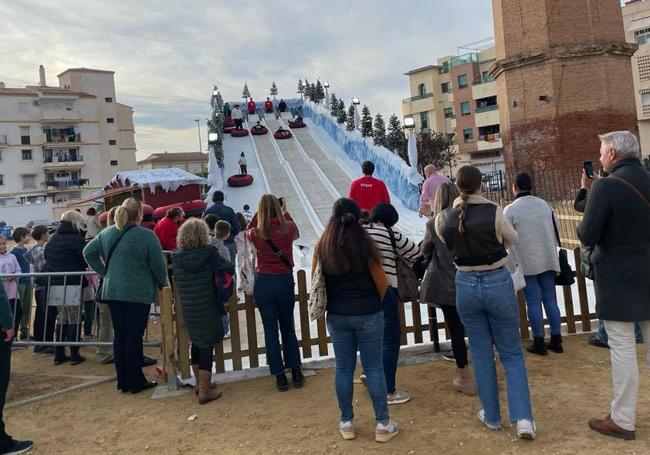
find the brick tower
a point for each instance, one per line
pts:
(563, 76)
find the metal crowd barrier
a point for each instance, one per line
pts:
(57, 300)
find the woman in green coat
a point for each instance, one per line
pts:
(197, 266)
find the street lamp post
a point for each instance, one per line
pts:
(357, 119)
(327, 97)
(198, 128)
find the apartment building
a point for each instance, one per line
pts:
(457, 95)
(194, 162)
(636, 20)
(59, 143)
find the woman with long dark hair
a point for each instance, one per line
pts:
(355, 284)
(477, 234)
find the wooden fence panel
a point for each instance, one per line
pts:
(523, 316)
(251, 331)
(582, 293)
(235, 336)
(303, 308)
(417, 321)
(568, 308)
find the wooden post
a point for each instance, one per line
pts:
(568, 307)
(235, 340)
(433, 328)
(219, 361)
(251, 329)
(582, 293)
(523, 316)
(417, 321)
(167, 328)
(402, 322)
(183, 339)
(322, 336)
(303, 308)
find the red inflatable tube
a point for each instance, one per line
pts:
(285, 134)
(190, 208)
(228, 130)
(228, 123)
(259, 131)
(297, 124)
(240, 180)
(239, 133)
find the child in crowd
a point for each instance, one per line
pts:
(248, 215)
(240, 244)
(211, 220)
(43, 330)
(221, 233)
(9, 265)
(25, 289)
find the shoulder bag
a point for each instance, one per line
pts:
(98, 292)
(317, 294)
(279, 254)
(566, 277)
(407, 281)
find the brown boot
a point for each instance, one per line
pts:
(207, 392)
(195, 370)
(608, 427)
(463, 382)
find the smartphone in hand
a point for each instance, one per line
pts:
(589, 169)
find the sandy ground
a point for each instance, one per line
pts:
(253, 418)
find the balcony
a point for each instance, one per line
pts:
(63, 161)
(489, 142)
(62, 140)
(418, 97)
(487, 118)
(417, 104)
(485, 89)
(65, 185)
(494, 107)
(60, 115)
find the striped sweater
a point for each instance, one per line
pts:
(406, 248)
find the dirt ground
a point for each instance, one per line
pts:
(253, 418)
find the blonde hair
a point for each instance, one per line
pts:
(110, 218)
(75, 218)
(129, 212)
(192, 234)
(445, 196)
(268, 208)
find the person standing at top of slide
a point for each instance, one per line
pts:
(237, 116)
(368, 191)
(252, 107)
(268, 106)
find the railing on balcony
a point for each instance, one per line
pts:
(483, 80)
(66, 184)
(418, 97)
(493, 107)
(62, 138)
(63, 159)
(496, 137)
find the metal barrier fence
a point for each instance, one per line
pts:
(243, 350)
(58, 309)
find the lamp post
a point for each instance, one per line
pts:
(198, 128)
(327, 97)
(357, 118)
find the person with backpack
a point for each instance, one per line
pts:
(197, 267)
(272, 232)
(392, 245)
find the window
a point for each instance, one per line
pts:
(113, 162)
(462, 81)
(645, 99)
(27, 154)
(424, 120)
(468, 134)
(422, 90)
(0, 155)
(485, 76)
(642, 36)
(24, 135)
(112, 142)
(449, 112)
(108, 99)
(29, 181)
(2, 179)
(110, 120)
(465, 108)
(445, 87)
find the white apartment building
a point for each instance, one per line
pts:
(61, 143)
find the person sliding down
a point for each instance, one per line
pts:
(258, 126)
(242, 164)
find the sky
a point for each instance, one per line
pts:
(167, 54)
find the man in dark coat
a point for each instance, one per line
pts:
(227, 214)
(617, 224)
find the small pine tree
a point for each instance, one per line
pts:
(319, 91)
(245, 93)
(307, 90)
(395, 137)
(341, 115)
(334, 106)
(301, 87)
(350, 120)
(366, 122)
(379, 131)
(274, 89)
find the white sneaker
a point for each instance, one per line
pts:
(488, 425)
(347, 430)
(384, 433)
(399, 397)
(526, 429)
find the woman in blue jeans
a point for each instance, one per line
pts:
(535, 223)
(477, 234)
(272, 232)
(355, 284)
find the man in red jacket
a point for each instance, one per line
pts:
(368, 191)
(268, 106)
(167, 228)
(251, 106)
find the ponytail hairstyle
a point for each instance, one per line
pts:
(75, 218)
(130, 212)
(345, 246)
(468, 181)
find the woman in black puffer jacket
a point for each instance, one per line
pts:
(64, 253)
(196, 265)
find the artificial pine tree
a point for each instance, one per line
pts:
(350, 120)
(366, 122)
(274, 90)
(379, 131)
(245, 93)
(215, 125)
(341, 115)
(395, 136)
(334, 105)
(307, 89)
(301, 88)
(319, 91)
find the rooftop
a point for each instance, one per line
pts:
(85, 70)
(167, 157)
(424, 68)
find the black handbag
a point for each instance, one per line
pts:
(407, 282)
(98, 291)
(566, 276)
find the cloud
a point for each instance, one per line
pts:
(167, 54)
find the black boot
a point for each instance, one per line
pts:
(74, 332)
(281, 382)
(59, 351)
(537, 346)
(297, 377)
(555, 344)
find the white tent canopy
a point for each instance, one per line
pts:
(169, 179)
